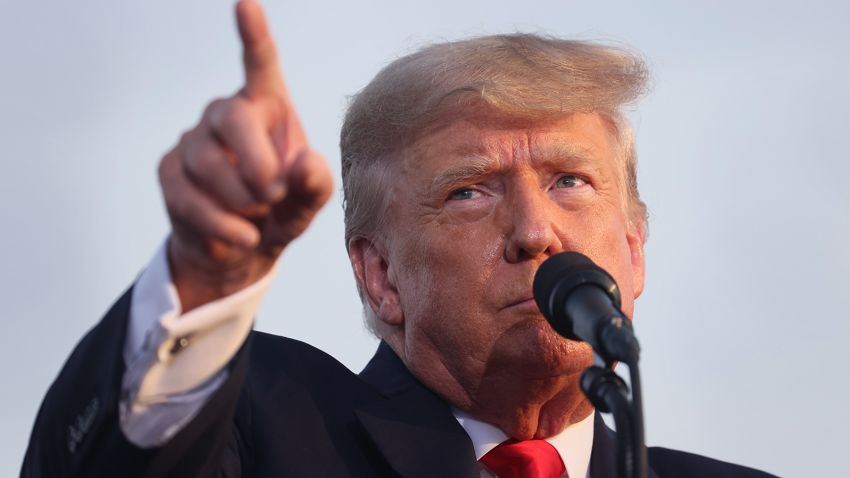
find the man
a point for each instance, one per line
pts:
(465, 166)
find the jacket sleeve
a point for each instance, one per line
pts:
(77, 433)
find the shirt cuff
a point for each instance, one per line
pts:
(188, 348)
(176, 362)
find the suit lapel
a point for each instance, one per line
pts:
(603, 458)
(413, 429)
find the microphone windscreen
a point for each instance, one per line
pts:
(563, 272)
(554, 270)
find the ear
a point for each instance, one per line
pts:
(375, 281)
(636, 237)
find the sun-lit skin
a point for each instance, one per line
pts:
(476, 207)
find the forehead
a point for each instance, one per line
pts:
(498, 143)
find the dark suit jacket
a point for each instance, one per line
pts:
(287, 409)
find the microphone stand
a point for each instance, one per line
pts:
(582, 302)
(609, 393)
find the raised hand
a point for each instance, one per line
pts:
(243, 183)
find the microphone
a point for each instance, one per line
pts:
(582, 302)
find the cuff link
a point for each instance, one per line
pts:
(172, 347)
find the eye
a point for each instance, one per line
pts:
(569, 182)
(463, 194)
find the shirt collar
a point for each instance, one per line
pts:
(573, 444)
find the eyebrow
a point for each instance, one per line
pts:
(476, 166)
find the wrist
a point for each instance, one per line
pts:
(202, 278)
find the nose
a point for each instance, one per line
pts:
(532, 227)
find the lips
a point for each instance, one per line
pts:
(526, 301)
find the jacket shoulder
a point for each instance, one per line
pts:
(674, 463)
(300, 399)
(274, 356)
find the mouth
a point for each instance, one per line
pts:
(525, 303)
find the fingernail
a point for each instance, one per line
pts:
(276, 192)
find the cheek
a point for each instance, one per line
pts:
(448, 254)
(605, 242)
(443, 283)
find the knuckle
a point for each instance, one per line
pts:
(165, 167)
(265, 54)
(233, 113)
(319, 180)
(206, 166)
(212, 107)
(257, 171)
(174, 192)
(181, 208)
(185, 138)
(161, 170)
(204, 158)
(172, 204)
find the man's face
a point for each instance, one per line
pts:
(476, 208)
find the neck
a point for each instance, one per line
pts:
(522, 406)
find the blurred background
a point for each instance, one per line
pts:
(743, 150)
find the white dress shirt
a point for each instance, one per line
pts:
(573, 444)
(175, 362)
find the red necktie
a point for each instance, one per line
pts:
(524, 459)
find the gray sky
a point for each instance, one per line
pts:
(743, 163)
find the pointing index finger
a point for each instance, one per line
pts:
(259, 54)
